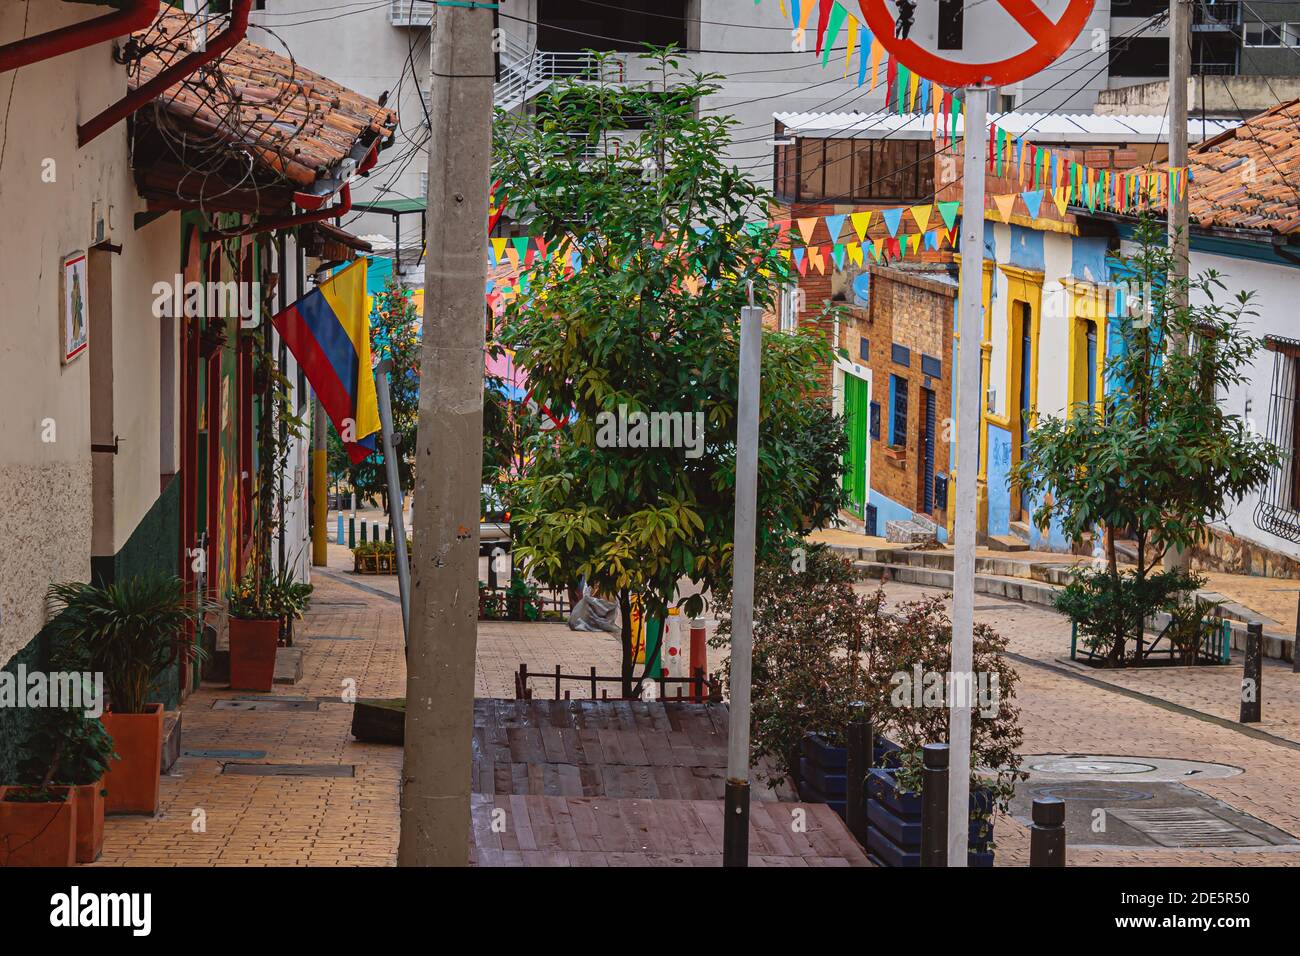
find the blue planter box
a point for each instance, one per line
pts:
(894, 823)
(810, 794)
(905, 832)
(819, 752)
(824, 781)
(888, 853)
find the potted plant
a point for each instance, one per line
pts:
(254, 633)
(907, 664)
(69, 749)
(132, 632)
(38, 826)
(289, 598)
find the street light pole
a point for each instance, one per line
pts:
(395, 520)
(969, 402)
(735, 830)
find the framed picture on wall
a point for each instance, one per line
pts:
(75, 319)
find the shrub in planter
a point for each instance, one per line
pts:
(38, 827)
(70, 749)
(289, 599)
(254, 633)
(908, 660)
(809, 629)
(132, 632)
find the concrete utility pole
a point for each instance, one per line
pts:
(449, 447)
(735, 826)
(969, 403)
(1180, 55)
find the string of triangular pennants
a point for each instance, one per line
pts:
(906, 91)
(1063, 182)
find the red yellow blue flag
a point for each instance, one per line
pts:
(328, 332)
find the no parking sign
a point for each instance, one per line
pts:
(976, 42)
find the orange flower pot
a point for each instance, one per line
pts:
(252, 653)
(38, 834)
(90, 821)
(134, 779)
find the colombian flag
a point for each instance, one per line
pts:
(328, 332)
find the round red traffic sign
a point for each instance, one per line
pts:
(964, 42)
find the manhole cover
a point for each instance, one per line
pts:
(1090, 766)
(1133, 769)
(1186, 827)
(1066, 791)
(289, 769)
(251, 705)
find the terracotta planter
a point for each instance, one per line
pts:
(133, 780)
(252, 653)
(38, 834)
(90, 821)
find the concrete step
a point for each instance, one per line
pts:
(1007, 542)
(171, 743)
(1020, 529)
(909, 532)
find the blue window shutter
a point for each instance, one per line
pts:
(931, 366)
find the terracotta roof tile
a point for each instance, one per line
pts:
(1249, 177)
(297, 123)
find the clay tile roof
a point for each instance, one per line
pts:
(1249, 177)
(299, 125)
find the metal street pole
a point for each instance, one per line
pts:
(735, 830)
(969, 402)
(435, 795)
(319, 489)
(395, 520)
(1180, 42)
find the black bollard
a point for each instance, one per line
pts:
(352, 532)
(363, 532)
(1295, 658)
(934, 805)
(388, 534)
(860, 747)
(1047, 834)
(1252, 693)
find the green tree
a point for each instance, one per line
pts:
(394, 334)
(672, 240)
(1159, 458)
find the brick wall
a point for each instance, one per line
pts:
(912, 308)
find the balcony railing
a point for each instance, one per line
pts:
(1217, 15)
(410, 13)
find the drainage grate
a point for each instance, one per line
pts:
(290, 769)
(1186, 827)
(225, 754)
(269, 704)
(333, 637)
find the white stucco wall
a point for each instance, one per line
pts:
(1275, 301)
(51, 194)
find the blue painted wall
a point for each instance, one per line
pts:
(889, 510)
(999, 469)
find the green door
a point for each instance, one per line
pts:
(857, 402)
